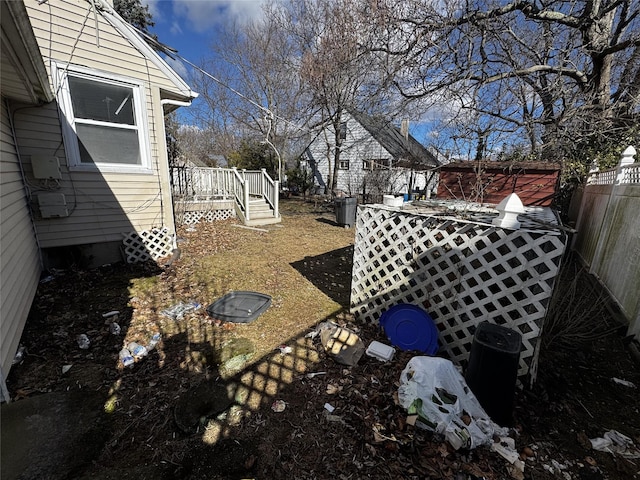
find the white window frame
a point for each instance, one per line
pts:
(60, 75)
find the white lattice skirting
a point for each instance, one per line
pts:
(460, 271)
(192, 218)
(148, 244)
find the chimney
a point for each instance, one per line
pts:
(404, 129)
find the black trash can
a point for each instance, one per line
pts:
(493, 370)
(346, 211)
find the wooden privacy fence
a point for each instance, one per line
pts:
(608, 237)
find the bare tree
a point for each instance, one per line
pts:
(336, 72)
(255, 93)
(560, 74)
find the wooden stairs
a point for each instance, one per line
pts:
(260, 213)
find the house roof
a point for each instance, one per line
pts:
(184, 92)
(407, 151)
(24, 76)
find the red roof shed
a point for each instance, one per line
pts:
(536, 183)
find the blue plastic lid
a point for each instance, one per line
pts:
(410, 328)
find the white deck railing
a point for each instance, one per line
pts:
(199, 184)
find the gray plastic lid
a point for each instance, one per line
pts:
(239, 306)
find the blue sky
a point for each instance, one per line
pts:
(190, 26)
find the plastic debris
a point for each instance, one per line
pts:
(278, 406)
(506, 448)
(126, 358)
(83, 341)
(329, 408)
(115, 329)
(344, 345)
(285, 349)
(315, 374)
(615, 442)
(178, 311)
(66, 368)
(111, 316)
(625, 383)
(137, 350)
(380, 351)
(333, 418)
(155, 339)
(19, 356)
(434, 390)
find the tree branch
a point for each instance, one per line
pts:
(577, 75)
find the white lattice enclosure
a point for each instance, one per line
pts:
(148, 244)
(460, 268)
(190, 212)
(192, 218)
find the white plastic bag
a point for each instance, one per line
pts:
(432, 388)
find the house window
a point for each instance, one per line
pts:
(343, 131)
(377, 164)
(105, 122)
(343, 165)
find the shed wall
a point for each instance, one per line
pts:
(535, 188)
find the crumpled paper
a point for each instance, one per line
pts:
(615, 442)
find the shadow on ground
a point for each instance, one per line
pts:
(330, 273)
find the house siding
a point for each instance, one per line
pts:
(358, 146)
(102, 205)
(19, 258)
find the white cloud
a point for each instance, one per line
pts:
(203, 15)
(175, 28)
(178, 66)
(153, 8)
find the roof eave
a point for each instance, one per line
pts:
(143, 47)
(30, 61)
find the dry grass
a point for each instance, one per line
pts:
(578, 310)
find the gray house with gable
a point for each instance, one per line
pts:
(376, 158)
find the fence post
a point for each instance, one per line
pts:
(610, 211)
(245, 193)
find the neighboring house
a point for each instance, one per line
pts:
(536, 183)
(376, 157)
(84, 162)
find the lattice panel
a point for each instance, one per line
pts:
(192, 218)
(461, 272)
(148, 244)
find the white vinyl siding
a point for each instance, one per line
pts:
(66, 32)
(19, 258)
(358, 146)
(105, 202)
(364, 156)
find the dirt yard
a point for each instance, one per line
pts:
(226, 400)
